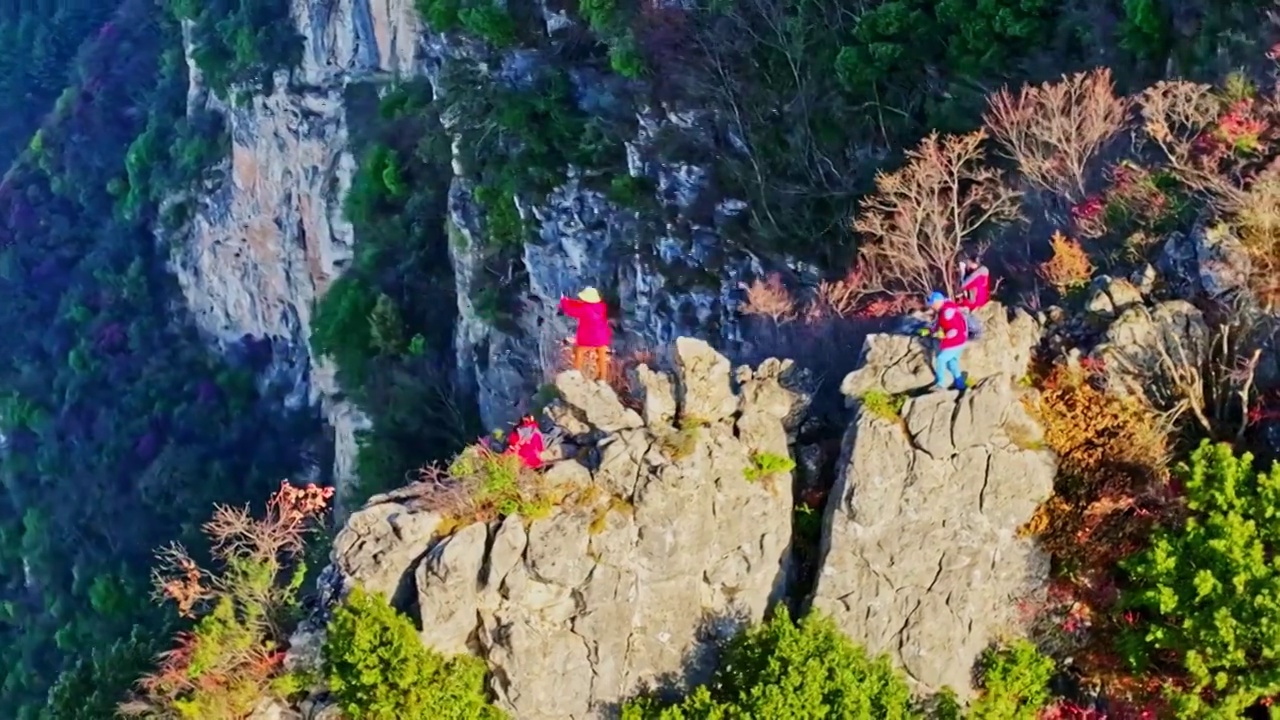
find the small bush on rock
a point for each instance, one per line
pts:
(233, 657)
(784, 670)
(1070, 268)
(1015, 683)
(766, 465)
(378, 669)
(481, 484)
(1208, 591)
(883, 405)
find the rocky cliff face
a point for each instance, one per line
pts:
(921, 557)
(675, 279)
(266, 243)
(666, 542)
(668, 537)
(271, 239)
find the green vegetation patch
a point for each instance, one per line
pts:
(240, 42)
(378, 669)
(122, 427)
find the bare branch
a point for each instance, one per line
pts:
(1053, 130)
(920, 217)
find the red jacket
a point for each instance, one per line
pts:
(593, 323)
(526, 442)
(975, 290)
(950, 327)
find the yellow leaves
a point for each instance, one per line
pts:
(1070, 267)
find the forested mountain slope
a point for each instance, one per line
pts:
(38, 40)
(120, 428)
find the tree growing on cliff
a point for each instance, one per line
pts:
(921, 216)
(233, 657)
(803, 671)
(378, 669)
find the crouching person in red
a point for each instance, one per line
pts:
(975, 284)
(527, 443)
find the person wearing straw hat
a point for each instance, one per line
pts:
(593, 332)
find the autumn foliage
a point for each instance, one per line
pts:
(853, 296)
(1112, 489)
(1069, 268)
(232, 658)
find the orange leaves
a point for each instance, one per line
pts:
(769, 298)
(1091, 430)
(1112, 488)
(1070, 267)
(185, 586)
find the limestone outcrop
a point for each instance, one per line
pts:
(920, 553)
(895, 363)
(667, 541)
(1147, 347)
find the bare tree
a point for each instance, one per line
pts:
(1176, 117)
(1053, 130)
(920, 217)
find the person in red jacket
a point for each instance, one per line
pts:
(952, 332)
(975, 284)
(593, 332)
(527, 443)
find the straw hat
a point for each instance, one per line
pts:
(589, 295)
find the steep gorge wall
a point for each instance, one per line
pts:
(264, 245)
(268, 242)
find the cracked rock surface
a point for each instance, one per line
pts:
(578, 610)
(921, 557)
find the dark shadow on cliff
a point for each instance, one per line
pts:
(714, 634)
(829, 348)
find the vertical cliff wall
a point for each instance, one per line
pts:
(266, 243)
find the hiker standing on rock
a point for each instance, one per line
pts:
(952, 332)
(593, 332)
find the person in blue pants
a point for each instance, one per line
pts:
(952, 332)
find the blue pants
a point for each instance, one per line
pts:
(948, 361)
